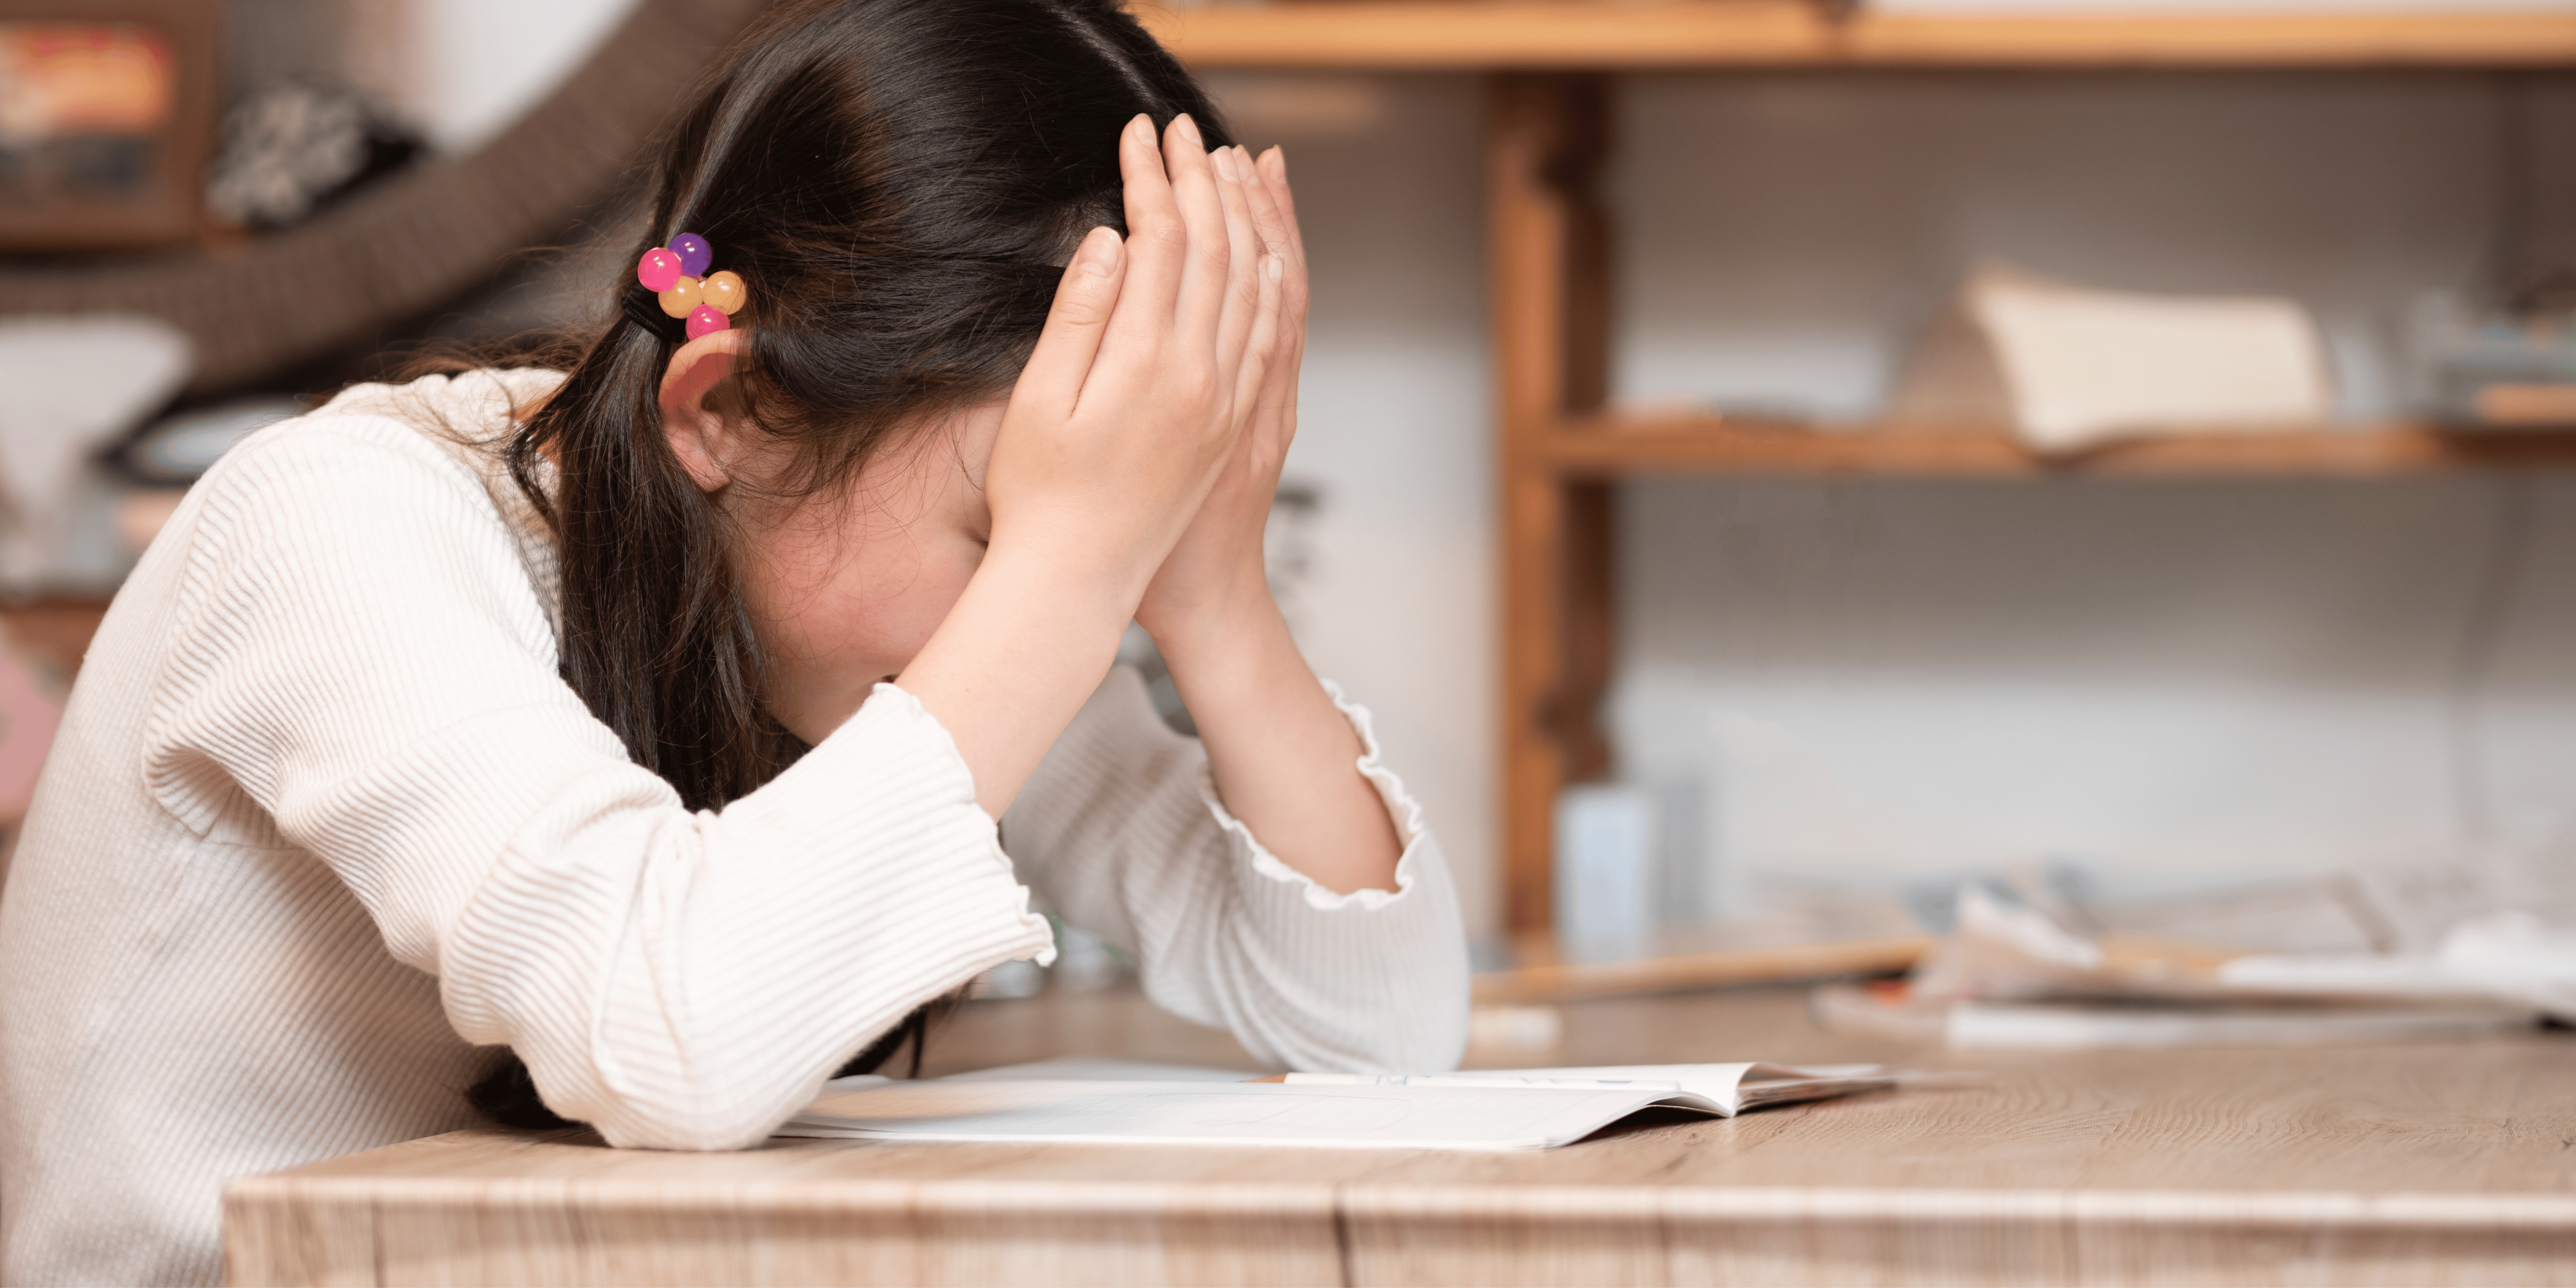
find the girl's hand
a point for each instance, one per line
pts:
(1284, 760)
(1138, 391)
(1216, 575)
(1132, 403)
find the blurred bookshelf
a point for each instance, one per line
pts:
(1562, 445)
(1625, 35)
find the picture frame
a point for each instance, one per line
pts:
(107, 116)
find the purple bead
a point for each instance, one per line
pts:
(706, 321)
(658, 270)
(694, 252)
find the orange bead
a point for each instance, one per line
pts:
(724, 292)
(683, 297)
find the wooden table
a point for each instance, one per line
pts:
(2424, 1164)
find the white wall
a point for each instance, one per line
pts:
(2163, 681)
(464, 70)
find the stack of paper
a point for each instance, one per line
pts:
(2073, 368)
(1097, 1102)
(2010, 976)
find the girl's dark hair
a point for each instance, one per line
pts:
(899, 183)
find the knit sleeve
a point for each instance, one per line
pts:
(1121, 831)
(359, 667)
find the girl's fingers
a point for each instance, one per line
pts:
(1261, 347)
(1157, 239)
(1243, 246)
(1277, 225)
(1208, 264)
(1274, 174)
(1084, 302)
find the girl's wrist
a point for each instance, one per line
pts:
(1222, 635)
(1069, 565)
(1076, 592)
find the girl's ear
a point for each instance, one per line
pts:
(708, 445)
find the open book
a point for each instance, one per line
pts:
(1094, 1102)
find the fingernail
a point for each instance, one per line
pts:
(1222, 162)
(1142, 122)
(1279, 157)
(1097, 252)
(1189, 129)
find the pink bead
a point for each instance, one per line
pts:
(658, 270)
(694, 252)
(706, 321)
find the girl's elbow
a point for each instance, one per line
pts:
(704, 1114)
(701, 1128)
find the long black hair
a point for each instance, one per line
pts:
(899, 183)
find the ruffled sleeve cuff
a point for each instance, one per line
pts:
(1401, 808)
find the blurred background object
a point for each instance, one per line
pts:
(75, 386)
(2071, 369)
(293, 148)
(106, 109)
(2018, 972)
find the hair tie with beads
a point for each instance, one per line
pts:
(677, 298)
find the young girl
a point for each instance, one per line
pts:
(648, 722)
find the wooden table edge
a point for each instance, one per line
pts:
(1546, 1203)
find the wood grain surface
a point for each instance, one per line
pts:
(1620, 446)
(1690, 34)
(1562, 980)
(2426, 1164)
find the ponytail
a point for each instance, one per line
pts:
(655, 639)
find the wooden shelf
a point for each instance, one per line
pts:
(1612, 35)
(1726, 968)
(1612, 447)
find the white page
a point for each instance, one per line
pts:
(1077, 1069)
(1729, 1088)
(2040, 1027)
(1215, 1113)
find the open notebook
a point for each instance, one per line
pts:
(1095, 1102)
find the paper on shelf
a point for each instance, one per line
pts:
(2072, 368)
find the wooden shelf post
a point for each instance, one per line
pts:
(1547, 136)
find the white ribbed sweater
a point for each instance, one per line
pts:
(322, 818)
